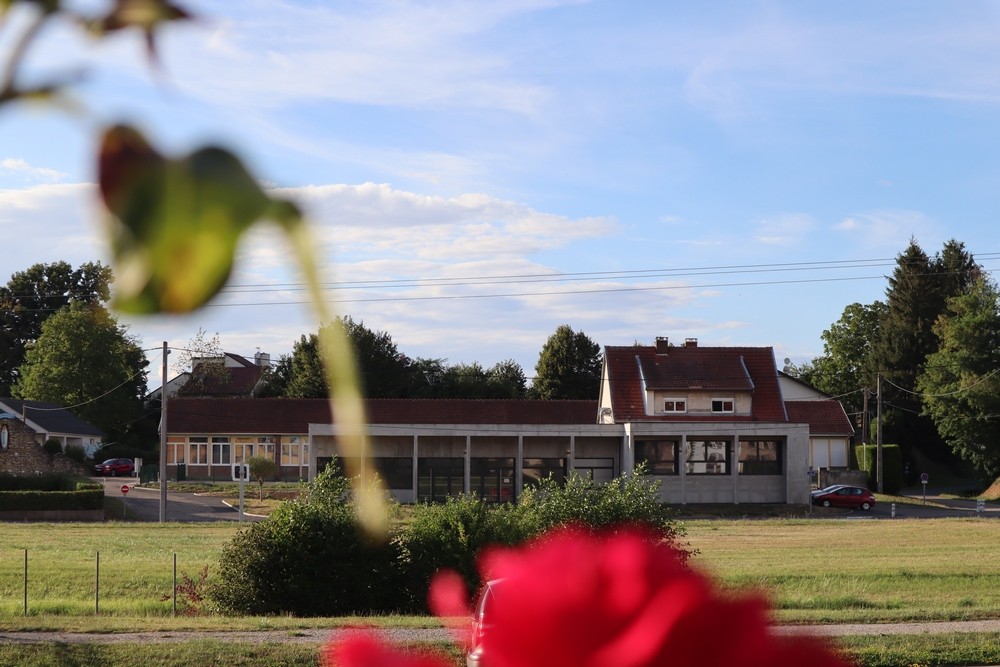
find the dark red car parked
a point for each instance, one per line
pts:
(844, 495)
(115, 467)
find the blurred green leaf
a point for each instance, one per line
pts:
(145, 15)
(175, 223)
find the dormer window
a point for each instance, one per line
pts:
(722, 405)
(675, 405)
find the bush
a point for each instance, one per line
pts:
(76, 453)
(631, 500)
(306, 560)
(892, 462)
(87, 499)
(451, 535)
(52, 447)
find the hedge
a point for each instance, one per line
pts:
(892, 462)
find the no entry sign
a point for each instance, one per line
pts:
(124, 489)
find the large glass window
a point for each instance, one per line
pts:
(242, 448)
(599, 470)
(176, 450)
(674, 405)
(291, 452)
(660, 456)
(760, 457)
(707, 457)
(265, 446)
(439, 478)
(493, 479)
(396, 471)
(197, 450)
(221, 451)
(535, 470)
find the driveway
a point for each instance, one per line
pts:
(144, 503)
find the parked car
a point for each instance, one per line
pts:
(115, 467)
(481, 622)
(844, 495)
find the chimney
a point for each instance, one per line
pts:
(262, 359)
(690, 342)
(662, 344)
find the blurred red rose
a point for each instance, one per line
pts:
(621, 600)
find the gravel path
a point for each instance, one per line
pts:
(318, 636)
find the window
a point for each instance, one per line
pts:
(396, 471)
(760, 457)
(197, 451)
(176, 449)
(535, 470)
(242, 449)
(493, 479)
(439, 478)
(660, 456)
(723, 405)
(599, 470)
(265, 446)
(674, 405)
(707, 457)
(221, 451)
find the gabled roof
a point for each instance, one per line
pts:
(237, 379)
(823, 417)
(692, 368)
(293, 416)
(52, 418)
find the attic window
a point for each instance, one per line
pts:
(675, 405)
(722, 405)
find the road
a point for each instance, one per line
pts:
(144, 504)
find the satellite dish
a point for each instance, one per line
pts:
(788, 365)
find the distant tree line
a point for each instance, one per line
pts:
(934, 346)
(569, 367)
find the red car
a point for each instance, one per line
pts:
(115, 467)
(844, 495)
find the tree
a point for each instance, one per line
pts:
(262, 469)
(384, 371)
(846, 366)
(204, 359)
(507, 379)
(569, 366)
(960, 382)
(31, 296)
(84, 360)
(916, 296)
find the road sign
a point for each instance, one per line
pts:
(241, 472)
(924, 477)
(124, 489)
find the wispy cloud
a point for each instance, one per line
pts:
(30, 172)
(889, 229)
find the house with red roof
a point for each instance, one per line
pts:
(710, 423)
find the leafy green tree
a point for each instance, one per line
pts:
(846, 367)
(262, 469)
(85, 360)
(569, 367)
(916, 296)
(31, 296)
(507, 379)
(960, 382)
(503, 380)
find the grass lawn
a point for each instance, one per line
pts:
(858, 570)
(813, 570)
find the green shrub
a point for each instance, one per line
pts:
(625, 500)
(892, 462)
(306, 560)
(76, 453)
(88, 499)
(451, 535)
(52, 447)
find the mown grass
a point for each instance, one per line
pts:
(858, 571)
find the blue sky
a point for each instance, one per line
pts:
(736, 172)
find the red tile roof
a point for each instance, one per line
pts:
(293, 416)
(823, 417)
(693, 368)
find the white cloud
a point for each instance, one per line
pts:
(21, 167)
(888, 229)
(52, 223)
(784, 230)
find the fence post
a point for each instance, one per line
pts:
(175, 584)
(97, 585)
(25, 582)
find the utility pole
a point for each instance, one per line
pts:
(878, 438)
(163, 437)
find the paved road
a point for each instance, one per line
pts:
(144, 504)
(936, 507)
